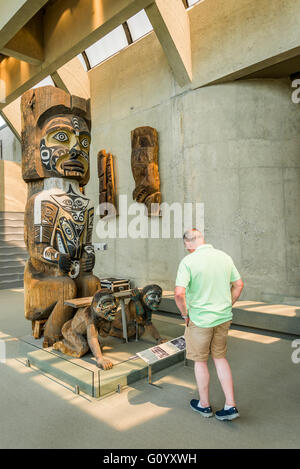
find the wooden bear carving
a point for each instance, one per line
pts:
(58, 217)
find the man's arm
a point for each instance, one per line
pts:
(181, 303)
(236, 290)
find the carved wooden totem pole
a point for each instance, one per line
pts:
(144, 165)
(107, 193)
(58, 217)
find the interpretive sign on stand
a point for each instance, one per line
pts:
(159, 352)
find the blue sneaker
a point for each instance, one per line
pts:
(229, 414)
(204, 411)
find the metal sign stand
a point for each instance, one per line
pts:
(150, 378)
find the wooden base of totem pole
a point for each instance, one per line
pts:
(38, 328)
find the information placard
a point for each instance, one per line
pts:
(159, 352)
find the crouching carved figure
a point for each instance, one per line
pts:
(81, 333)
(58, 217)
(104, 318)
(139, 314)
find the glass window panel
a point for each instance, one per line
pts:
(47, 81)
(192, 2)
(139, 25)
(2, 121)
(82, 62)
(107, 46)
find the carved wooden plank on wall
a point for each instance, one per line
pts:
(144, 165)
(107, 192)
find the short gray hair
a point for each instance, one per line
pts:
(192, 235)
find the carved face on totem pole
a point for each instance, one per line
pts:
(55, 136)
(64, 147)
(144, 164)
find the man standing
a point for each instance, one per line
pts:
(207, 285)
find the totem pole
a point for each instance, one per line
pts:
(58, 217)
(144, 165)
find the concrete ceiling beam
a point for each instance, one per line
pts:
(171, 24)
(14, 15)
(69, 27)
(27, 44)
(12, 116)
(73, 79)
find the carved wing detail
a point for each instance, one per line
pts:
(43, 232)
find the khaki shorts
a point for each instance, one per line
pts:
(201, 341)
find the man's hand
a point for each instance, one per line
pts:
(186, 320)
(64, 262)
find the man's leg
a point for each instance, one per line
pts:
(198, 341)
(202, 378)
(225, 378)
(218, 350)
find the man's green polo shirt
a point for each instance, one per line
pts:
(206, 274)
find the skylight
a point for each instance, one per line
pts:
(133, 29)
(46, 81)
(192, 2)
(83, 63)
(139, 25)
(107, 46)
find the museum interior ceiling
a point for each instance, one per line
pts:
(58, 41)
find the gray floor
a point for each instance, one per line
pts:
(37, 412)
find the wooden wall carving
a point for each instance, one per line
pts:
(106, 175)
(144, 165)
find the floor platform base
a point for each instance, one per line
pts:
(83, 375)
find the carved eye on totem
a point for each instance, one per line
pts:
(78, 203)
(68, 231)
(85, 142)
(67, 202)
(61, 137)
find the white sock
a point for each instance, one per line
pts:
(227, 407)
(202, 407)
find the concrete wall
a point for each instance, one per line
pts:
(13, 196)
(13, 190)
(235, 147)
(233, 38)
(11, 147)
